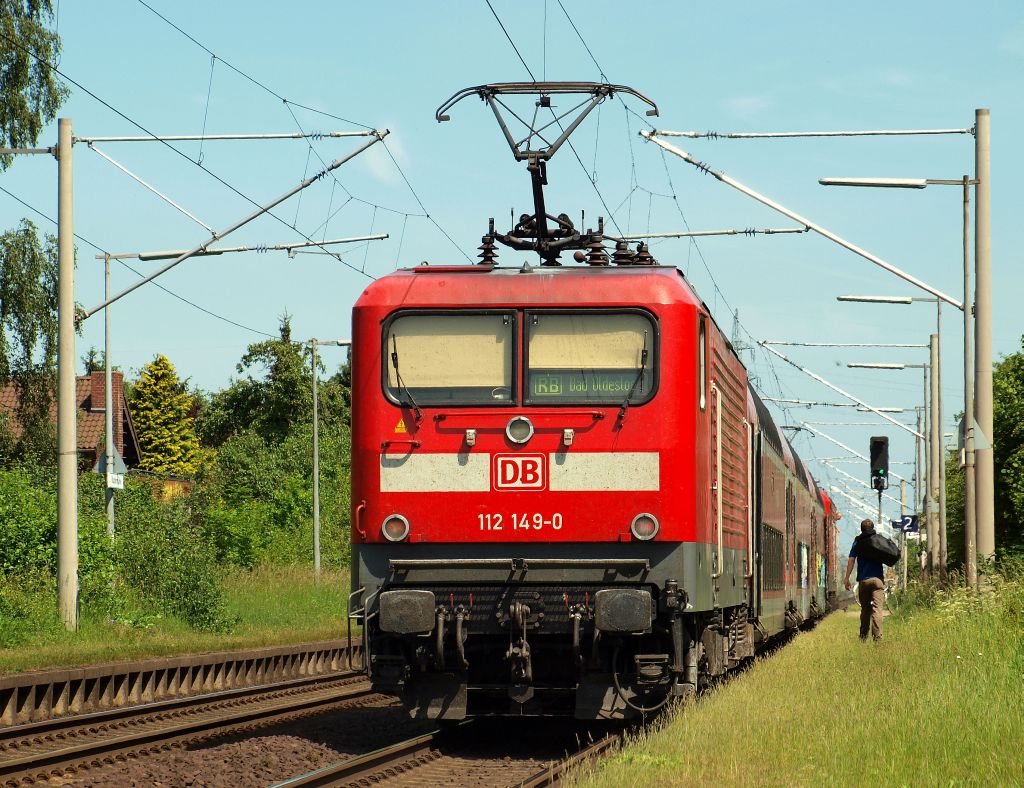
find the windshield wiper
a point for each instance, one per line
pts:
(402, 388)
(636, 382)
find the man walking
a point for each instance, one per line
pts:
(870, 587)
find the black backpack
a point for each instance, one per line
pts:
(879, 548)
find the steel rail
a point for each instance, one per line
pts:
(553, 774)
(372, 766)
(148, 731)
(38, 695)
(11, 736)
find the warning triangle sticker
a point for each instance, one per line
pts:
(400, 427)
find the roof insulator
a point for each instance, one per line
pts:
(596, 254)
(488, 251)
(643, 256)
(622, 255)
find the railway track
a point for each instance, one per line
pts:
(462, 755)
(36, 752)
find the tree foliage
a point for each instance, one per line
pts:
(160, 409)
(30, 94)
(1008, 458)
(28, 335)
(275, 396)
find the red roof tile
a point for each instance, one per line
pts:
(89, 397)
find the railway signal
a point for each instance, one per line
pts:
(879, 453)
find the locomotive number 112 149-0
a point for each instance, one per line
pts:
(518, 522)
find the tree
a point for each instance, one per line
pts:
(28, 334)
(277, 401)
(1008, 459)
(160, 409)
(30, 94)
(93, 361)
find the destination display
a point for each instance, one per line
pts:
(588, 385)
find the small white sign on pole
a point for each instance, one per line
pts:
(115, 481)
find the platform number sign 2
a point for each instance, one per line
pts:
(907, 524)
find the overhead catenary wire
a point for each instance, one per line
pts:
(722, 177)
(296, 135)
(153, 189)
(236, 225)
(15, 43)
(751, 135)
(513, 43)
(705, 233)
(846, 394)
(813, 403)
(246, 76)
(840, 344)
(289, 104)
(138, 273)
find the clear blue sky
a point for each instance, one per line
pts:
(723, 67)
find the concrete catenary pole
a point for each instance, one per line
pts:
(918, 483)
(316, 469)
(935, 458)
(903, 535)
(983, 460)
(925, 493)
(108, 401)
(941, 470)
(67, 433)
(970, 515)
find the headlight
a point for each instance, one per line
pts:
(395, 528)
(519, 429)
(644, 527)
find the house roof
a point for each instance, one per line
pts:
(89, 399)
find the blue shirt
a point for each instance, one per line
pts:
(866, 568)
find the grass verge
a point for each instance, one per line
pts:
(939, 701)
(267, 606)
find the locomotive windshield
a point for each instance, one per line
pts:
(446, 359)
(595, 357)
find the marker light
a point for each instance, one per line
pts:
(644, 527)
(395, 528)
(519, 429)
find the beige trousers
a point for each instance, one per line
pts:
(871, 593)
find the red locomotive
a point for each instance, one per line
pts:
(567, 499)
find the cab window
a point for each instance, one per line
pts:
(593, 357)
(449, 359)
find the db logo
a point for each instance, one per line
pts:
(519, 472)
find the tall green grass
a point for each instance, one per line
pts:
(265, 606)
(939, 701)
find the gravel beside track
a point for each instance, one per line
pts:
(261, 758)
(524, 751)
(54, 749)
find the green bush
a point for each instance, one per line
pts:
(162, 558)
(28, 521)
(239, 533)
(255, 498)
(26, 606)
(159, 563)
